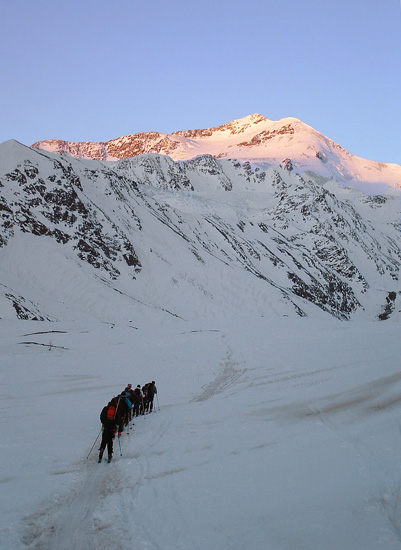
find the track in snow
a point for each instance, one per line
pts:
(95, 514)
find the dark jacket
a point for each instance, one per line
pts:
(110, 416)
(151, 390)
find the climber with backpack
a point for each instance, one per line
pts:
(110, 418)
(138, 401)
(126, 408)
(152, 390)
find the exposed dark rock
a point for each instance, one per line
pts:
(389, 307)
(287, 165)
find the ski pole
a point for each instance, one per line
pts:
(94, 443)
(119, 444)
(158, 406)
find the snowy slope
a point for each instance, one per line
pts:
(254, 138)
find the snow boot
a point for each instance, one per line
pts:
(100, 455)
(109, 459)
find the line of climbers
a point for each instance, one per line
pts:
(120, 410)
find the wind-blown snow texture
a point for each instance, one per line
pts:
(228, 282)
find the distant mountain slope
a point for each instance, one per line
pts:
(203, 238)
(253, 138)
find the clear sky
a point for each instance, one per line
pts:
(93, 70)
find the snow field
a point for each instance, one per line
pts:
(272, 433)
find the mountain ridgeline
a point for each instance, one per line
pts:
(198, 238)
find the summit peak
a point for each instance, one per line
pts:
(253, 138)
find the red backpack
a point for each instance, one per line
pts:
(111, 412)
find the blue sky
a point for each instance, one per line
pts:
(95, 69)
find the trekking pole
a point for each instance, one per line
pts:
(94, 443)
(158, 406)
(119, 444)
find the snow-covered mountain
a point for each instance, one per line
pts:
(200, 238)
(228, 281)
(254, 138)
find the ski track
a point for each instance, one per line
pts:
(105, 507)
(97, 513)
(72, 523)
(226, 378)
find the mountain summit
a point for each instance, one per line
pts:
(289, 142)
